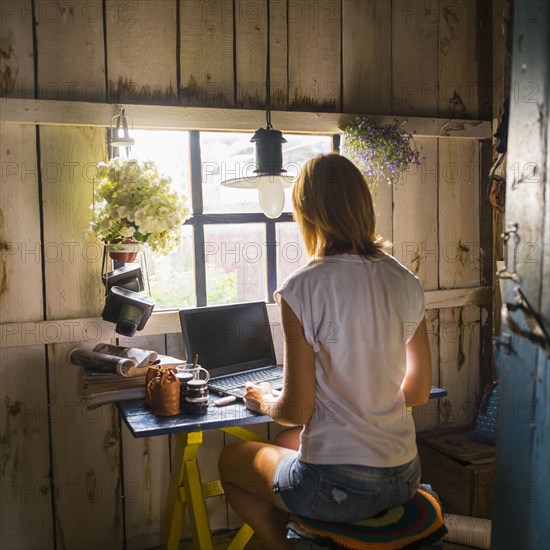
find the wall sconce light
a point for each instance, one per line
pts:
(120, 135)
(269, 178)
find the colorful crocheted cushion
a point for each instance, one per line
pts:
(416, 523)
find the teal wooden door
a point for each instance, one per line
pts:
(521, 505)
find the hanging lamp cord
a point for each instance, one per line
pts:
(268, 71)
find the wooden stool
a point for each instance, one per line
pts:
(416, 524)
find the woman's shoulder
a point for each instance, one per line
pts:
(393, 264)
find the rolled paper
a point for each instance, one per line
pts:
(467, 530)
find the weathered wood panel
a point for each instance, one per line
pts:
(24, 437)
(73, 260)
(16, 47)
(426, 417)
(24, 432)
(206, 60)
(459, 59)
(146, 465)
(459, 364)
(314, 68)
(415, 235)
(459, 235)
(250, 54)
(19, 230)
(459, 266)
(367, 57)
(26, 518)
(141, 51)
(78, 113)
(415, 57)
(86, 447)
(71, 59)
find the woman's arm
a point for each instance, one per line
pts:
(418, 377)
(294, 405)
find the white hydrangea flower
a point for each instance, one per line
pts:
(132, 200)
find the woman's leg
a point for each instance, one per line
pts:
(246, 471)
(289, 438)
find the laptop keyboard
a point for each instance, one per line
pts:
(256, 376)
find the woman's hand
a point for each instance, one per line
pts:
(257, 395)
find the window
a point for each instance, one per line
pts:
(230, 252)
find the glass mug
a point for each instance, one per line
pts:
(196, 371)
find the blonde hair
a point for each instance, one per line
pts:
(334, 209)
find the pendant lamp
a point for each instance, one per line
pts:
(120, 136)
(269, 178)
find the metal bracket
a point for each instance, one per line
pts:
(540, 328)
(511, 236)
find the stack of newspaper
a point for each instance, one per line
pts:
(116, 373)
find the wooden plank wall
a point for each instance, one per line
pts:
(427, 58)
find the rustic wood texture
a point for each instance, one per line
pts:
(141, 51)
(73, 260)
(146, 468)
(314, 30)
(20, 234)
(415, 57)
(386, 59)
(77, 113)
(71, 63)
(94, 328)
(459, 231)
(459, 266)
(206, 59)
(24, 435)
(459, 330)
(24, 446)
(250, 54)
(366, 57)
(16, 45)
(86, 446)
(86, 460)
(458, 59)
(426, 417)
(415, 198)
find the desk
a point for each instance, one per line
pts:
(186, 492)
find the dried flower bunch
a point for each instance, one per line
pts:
(133, 201)
(381, 152)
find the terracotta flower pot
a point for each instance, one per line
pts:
(127, 250)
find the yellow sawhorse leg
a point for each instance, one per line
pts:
(240, 540)
(185, 475)
(186, 493)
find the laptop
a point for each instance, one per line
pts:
(234, 344)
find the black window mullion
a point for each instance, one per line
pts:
(196, 199)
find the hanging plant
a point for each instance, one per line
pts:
(380, 152)
(133, 201)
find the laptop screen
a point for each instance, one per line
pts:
(229, 338)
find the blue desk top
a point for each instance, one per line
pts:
(143, 423)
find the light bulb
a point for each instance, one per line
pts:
(271, 196)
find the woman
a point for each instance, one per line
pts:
(356, 354)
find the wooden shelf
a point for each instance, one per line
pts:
(94, 329)
(79, 113)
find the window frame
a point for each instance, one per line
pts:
(198, 220)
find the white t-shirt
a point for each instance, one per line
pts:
(357, 314)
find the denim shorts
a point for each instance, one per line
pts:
(341, 492)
